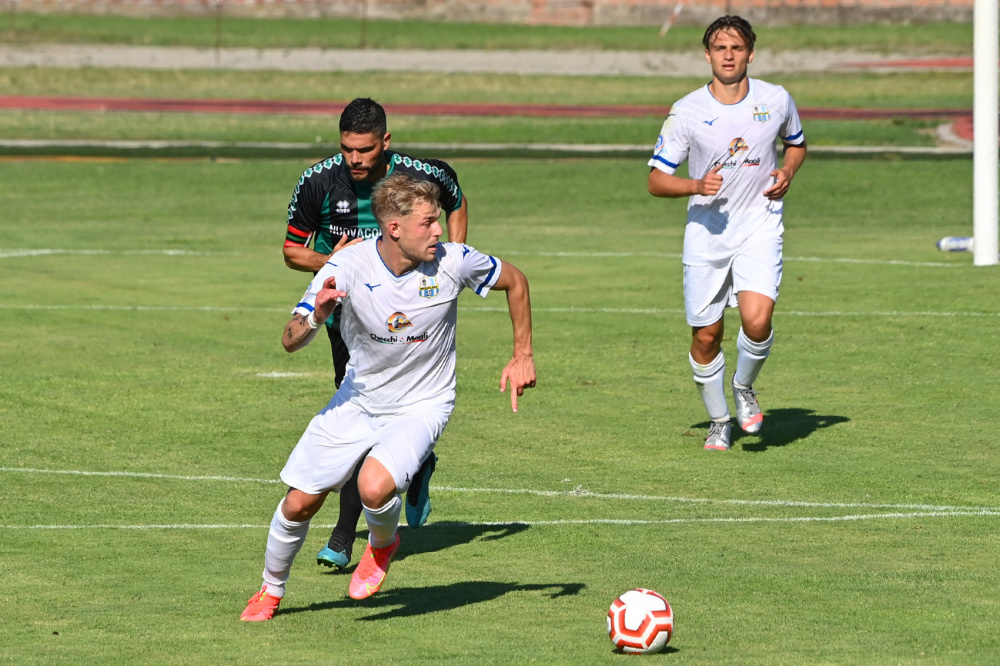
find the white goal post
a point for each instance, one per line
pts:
(986, 124)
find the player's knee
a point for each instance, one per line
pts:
(757, 329)
(707, 342)
(375, 486)
(299, 506)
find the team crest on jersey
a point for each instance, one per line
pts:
(738, 145)
(397, 322)
(760, 113)
(428, 287)
(343, 206)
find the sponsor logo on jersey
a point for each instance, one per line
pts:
(738, 145)
(659, 144)
(343, 206)
(733, 164)
(353, 232)
(397, 322)
(710, 122)
(760, 113)
(428, 287)
(399, 339)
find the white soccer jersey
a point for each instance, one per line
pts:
(400, 330)
(742, 138)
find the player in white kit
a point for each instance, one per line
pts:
(727, 132)
(399, 295)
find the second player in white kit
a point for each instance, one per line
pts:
(727, 132)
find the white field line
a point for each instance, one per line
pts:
(643, 311)
(674, 255)
(778, 313)
(12, 254)
(530, 523)
(143, 308)
(137, 475)
(283, 375)
(15, 253)
(577, 492)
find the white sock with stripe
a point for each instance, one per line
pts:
(710, 380)
(750, 359)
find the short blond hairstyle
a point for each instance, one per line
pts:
(397, 195)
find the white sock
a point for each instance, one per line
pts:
(750, 359)
(383, 522)
(710, 380)
(284, 540)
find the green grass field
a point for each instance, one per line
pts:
(148, 407)
(21, 27)
(918, 90)
(142, 301)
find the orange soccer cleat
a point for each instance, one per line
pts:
(371, 571)
(260, 607)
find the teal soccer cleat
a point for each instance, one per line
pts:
(337, 553)
(418, 499)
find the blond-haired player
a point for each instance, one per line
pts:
(399, 294)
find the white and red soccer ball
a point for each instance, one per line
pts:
(640, 622)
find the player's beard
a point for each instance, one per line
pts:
(366, 172)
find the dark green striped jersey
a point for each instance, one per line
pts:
(328, 203)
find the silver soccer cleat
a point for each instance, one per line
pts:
(718, 436)
(748, 413)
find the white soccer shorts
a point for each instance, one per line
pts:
(708, 290)
(341, 435)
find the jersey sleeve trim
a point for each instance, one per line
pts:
(490, 279)
(295, 236)
(794, 137)
(662, 160)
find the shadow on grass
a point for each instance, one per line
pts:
(410, 601)
(781, 428)
(433, 537)
(667, 650)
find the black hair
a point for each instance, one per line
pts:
(738, 24)
(363, 116)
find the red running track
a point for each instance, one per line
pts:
(960, 117)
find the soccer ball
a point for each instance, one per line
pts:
(640, 622)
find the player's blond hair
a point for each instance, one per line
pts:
(397, 195)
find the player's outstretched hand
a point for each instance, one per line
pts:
(521, 373)
(327, 299)
(780, 187)
(343, 242)
(710, 185)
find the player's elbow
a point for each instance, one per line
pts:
(658, 185)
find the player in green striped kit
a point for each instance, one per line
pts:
(330, 209)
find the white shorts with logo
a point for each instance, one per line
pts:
(342, 434)
(708, 290)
